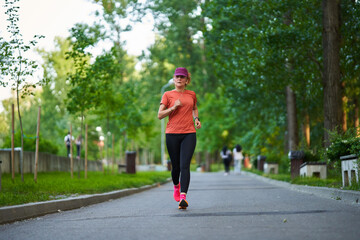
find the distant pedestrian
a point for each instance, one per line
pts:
(238, 157)
(247, 163)
(67, 141)
(78, 146)
(180, 105)
(227, 158)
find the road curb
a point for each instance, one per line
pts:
(346, 196)
(30, 210)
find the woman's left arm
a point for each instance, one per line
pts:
(196, 117)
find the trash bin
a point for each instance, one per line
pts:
(130, 162)
(260, 162)
(296, 159)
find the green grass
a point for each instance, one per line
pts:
(310, 181)
(313, 181)
(57, 185)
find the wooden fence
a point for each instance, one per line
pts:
(47, 162)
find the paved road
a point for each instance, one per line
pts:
(221, 207)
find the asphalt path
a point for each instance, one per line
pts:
(220, 207)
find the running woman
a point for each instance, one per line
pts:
(180, 105)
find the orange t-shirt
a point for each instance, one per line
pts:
(180, 120)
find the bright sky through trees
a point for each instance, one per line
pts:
(55, 17)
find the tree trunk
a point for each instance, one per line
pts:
(37, 146)
(344, 114)
(113, 154)
(291, 119)
(198, 157)
(22, 135)
(356, 120)
(331, 75)
(207, 161)
(86, 149)
(71, 153)
(107, 139)
(306, 128)
(344, 101)
(80, 138)
(12, 143)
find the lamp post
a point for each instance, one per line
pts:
(171, 81)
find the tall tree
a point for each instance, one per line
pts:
(291, 119)
(82, 94)
(350, 59)
(259, 50)
(331, 75)
(17, 67)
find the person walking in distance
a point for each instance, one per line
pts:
(238, 157)
(78, 146)
(226, 157)
(180, 105)
(67, 140)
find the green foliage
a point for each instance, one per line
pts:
(311, 156)
(217, 122)
(350, 64)
(179, 35)
(276, 44)
(242, 55)
(14, 64)
(82, 95)
(273, 158)
(30, 143)
(355, 186)
(342, 144)
(17, 68)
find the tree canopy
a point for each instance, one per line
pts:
(242, 55)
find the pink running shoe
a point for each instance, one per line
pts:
(183, 203)
(177, 192)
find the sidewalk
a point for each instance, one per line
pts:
(31, 210)
(220, 207)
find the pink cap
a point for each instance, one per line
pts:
(181, 71)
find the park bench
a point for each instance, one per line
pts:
(349, 169)
(121, 168)
(313, 169)
(271, 167)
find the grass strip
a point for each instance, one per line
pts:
(58, 185)
(309, 181)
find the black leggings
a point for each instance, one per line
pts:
(181, 148)
(227, 162)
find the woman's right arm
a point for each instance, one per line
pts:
(164, 112)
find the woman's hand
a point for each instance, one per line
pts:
(197, 123)
(164, 112)
(177, 103)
